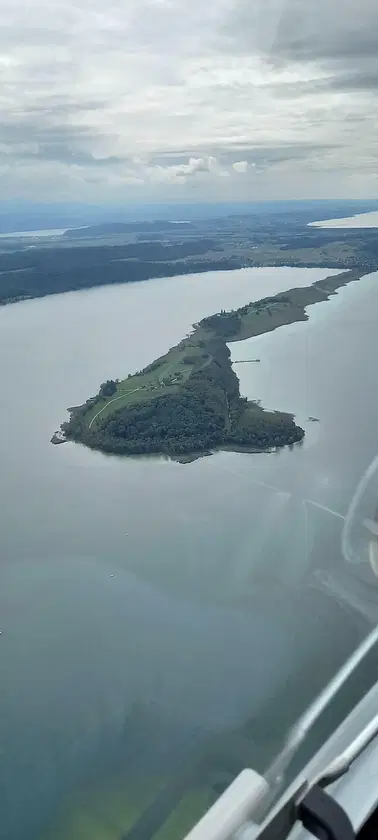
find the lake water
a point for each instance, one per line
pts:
(361, 220)
(147, 606)
(33, 234)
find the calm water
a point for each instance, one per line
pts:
(33, 234)
(361, 220)
(185, 628)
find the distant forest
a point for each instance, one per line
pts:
(36, 272)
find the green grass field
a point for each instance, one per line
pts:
(167, 373)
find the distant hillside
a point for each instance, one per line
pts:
(110, 228)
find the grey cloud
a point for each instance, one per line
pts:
(340, 36)
(60, 106)
(172, 94)
(63, 154)
(327, 31)
(23, 130)
(304, 31)
(350, 82)
(171, 158)
(359, 80)
(17, 35)
(281, 154)
(30, 138)
(258, 156)
(265, 156)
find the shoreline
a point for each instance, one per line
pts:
(200, 360)
(227, 265)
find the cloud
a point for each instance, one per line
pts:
(240, 165)
(156, 99)
(169, 170)
(293, 30)
(327, 31)
(337, 38)
(193, 166)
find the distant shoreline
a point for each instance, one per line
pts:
(35, 267)
(361, 221)
(187, 403)
(172, 270)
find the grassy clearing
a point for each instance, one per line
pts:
(166, 373)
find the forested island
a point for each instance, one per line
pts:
(187, 402)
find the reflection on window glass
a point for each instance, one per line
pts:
(188, 424)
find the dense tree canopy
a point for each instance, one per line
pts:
(108, 388)
(225, 324)
(178, 423)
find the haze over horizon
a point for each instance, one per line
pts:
(163, 100)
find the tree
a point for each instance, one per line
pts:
(108, 388)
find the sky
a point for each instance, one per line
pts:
(188, 100)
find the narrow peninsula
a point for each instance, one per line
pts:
(187, 403)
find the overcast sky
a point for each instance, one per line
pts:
(188, 99)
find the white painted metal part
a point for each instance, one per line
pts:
(232, 809)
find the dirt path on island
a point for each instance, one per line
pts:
(121, 396)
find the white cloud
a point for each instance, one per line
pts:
(155, 98)
(240, 165)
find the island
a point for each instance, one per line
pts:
(187, 403)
